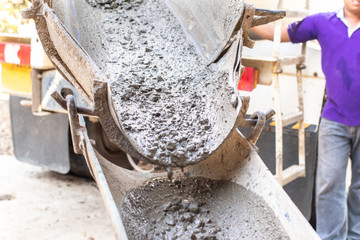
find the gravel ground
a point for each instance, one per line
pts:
(6, 147)
(39, 204)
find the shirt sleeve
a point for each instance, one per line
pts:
(303, 30)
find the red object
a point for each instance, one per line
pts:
(2, 52)
(247, 81)
(15, 53)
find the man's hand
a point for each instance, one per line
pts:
(267, 32)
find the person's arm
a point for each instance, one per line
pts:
(267, 32)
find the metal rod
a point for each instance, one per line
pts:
(301, 122)
(106, 194)
(278, 128)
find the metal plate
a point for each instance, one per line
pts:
(53, 81)
(41, 141)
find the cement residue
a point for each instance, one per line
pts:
(172, 106)
(198, 208)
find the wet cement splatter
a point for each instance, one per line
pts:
(197, 208)
(175, 109)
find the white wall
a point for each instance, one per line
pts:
(325, 5)
(315, 5)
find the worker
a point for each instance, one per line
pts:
(339, 135)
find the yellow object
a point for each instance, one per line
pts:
(296, 126)
(256, 77)
(15, 79)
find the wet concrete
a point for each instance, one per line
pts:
(173, 107)
(198, 208)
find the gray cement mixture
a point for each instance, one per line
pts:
(173, 107)
(198, 208)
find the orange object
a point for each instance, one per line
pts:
(249, 79)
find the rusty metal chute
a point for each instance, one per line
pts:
(218, 29)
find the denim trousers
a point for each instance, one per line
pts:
(337, 215)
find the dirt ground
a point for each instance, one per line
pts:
(39, 204)
(5, 131)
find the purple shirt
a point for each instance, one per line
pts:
(340, 59)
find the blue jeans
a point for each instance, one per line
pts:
(336, 216)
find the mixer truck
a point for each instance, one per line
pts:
(156, 83)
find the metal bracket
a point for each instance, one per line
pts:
(257, 120)
(246, 25)
(254, 17)
(102, 111)
(263, 16)
(63, 103)
(82, 145)
(36, 90)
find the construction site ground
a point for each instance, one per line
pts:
(40, 204)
